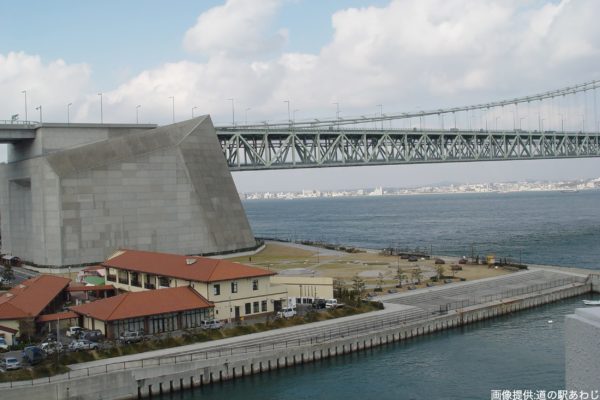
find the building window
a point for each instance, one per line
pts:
(191, 319)
(135, 279)
(256, 309)
(163, 323)
(263, 306)
(123, 277)
(150, 280)
(255, 284)
(233, 287)
(164, 281)
(216, 289)
(248, 308)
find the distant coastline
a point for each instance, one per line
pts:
(504, 187)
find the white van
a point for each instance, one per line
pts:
(211, 324)
(287, 312)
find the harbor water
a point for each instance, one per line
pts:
(552, 228)
(522, 351)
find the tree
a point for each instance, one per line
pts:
(400, 275)
(358, 285)
(8, 274)
(338, 286)
(380, 282)
(440, 269)
(416, 274)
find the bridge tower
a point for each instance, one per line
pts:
(71, 194)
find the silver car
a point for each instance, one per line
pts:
(78, 345)
(10, 363)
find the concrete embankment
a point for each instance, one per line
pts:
(135, 377)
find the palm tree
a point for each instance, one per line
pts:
(440, 269)
(400, 275)
(417, 275)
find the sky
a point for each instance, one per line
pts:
(404, 54)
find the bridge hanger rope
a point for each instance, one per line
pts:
(329, 122)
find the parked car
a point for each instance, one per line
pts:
(211, 324)
(287, 312)
(319, 304)
(93, 335)
(413, 258)
(33, 355)
(51, 347)
(82, 344)
(131, 337)
(74, 331)
(9, 363)
(439, 261)
(3, 345)
(331, 303)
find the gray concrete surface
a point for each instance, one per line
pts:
(582, 349)
(78, 192)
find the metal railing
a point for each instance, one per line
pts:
(17, 122)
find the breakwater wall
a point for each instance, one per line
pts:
(154, 376)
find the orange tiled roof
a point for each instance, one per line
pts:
(191, 268)
(141, 304)
(57, 316)
(30, 297)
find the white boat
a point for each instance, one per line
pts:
(591, 302)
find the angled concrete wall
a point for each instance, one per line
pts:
(165, 189)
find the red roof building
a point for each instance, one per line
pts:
(189, 268)
(153, 311)
(26, 301)
(29, 298)
(237, 290)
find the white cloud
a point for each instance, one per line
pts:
(409, 54)
(52, 85)
(237, 28)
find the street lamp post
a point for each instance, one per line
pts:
(289, 116)
(337, 113)
(232, 111)
(25, 93)
(294, 115)
(101, 110)
(193, 108)
(137, 113)
(172, 107)
(381, 114)
(40, 109)
(69, 113)
(520, 120)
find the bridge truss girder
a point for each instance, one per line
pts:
(256, 150)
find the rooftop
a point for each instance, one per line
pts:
(30, 297)
(191, 268)
(141, 304)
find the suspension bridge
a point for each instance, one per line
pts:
(561, 123)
